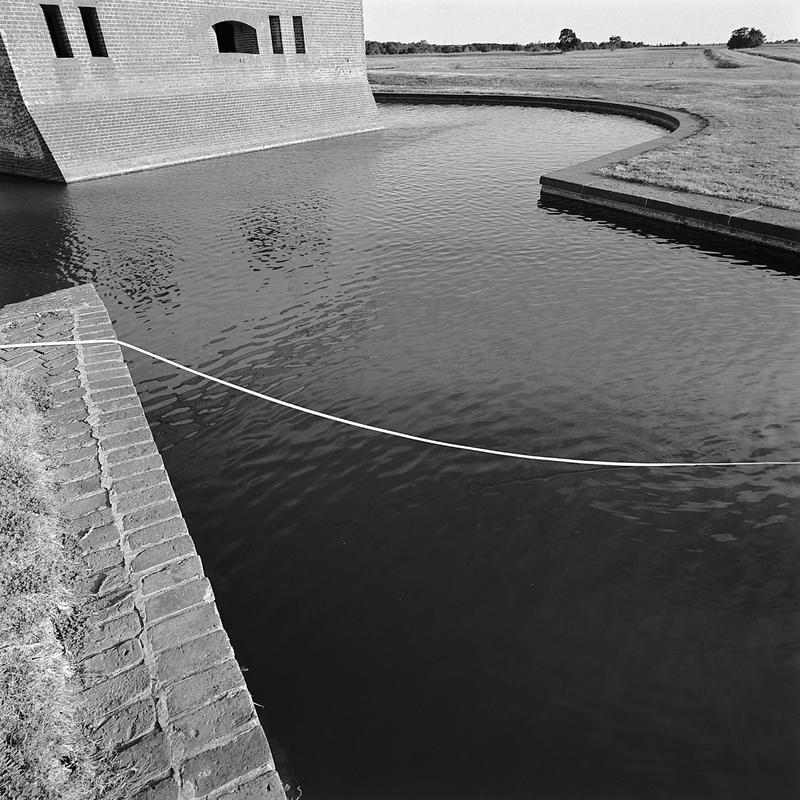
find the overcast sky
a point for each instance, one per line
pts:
(458, 21)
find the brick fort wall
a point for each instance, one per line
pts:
(165, 93)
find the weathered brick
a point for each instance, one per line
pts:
(155, 534)
(106, 584)
(118, 441)
(65, 396)
(148, 759)
(123, 656)
(88, 465)
(105, 381)
(99, 395)
(97, 518)
(163, 553)
(72, 429)
(101, 353)
(85, 505)
(80, 488)
(117, 404)
(264, 787)
(171, 575)
(115, 598)
(95, 331)
(109, 633)
(67, 379)
(184, 596)
(150, 515)
(120, 690)
(100, 378)
(99, 538)
(75, 453)
(189, 693)
(101, 367)
(89, 315)
(142, 480)
(131, 501)
(186, 659)
(60, 364)
(69, 410)
(166, 789)
(131, 452)
(193, 622)
(126, 724)
(128, 468)
(200, 729)
(105, 418)
(214, 768)
(65, 443)
(100, 560)
(132, 421)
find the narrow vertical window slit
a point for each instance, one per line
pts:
(299, 35)
(94, 33)
(275, 31)
(58, 31)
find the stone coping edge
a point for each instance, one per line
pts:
(161, 688)
(771, 227)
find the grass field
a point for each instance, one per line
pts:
(750, 150)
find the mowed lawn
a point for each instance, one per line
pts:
(750, 150)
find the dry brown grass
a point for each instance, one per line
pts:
(44, 752)
(750, 150)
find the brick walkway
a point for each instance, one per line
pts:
(161, 685)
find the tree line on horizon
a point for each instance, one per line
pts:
(405, 48)
(567, 41)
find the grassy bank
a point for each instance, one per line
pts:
(750, 150)
(43, 750)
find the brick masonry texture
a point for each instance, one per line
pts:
(162, 690)
(165, 94)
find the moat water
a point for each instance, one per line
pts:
(419, 623)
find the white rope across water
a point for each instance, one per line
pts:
(398, 434)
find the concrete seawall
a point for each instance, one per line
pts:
(161, 686)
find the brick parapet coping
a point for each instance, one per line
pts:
(161, 686)
(580, 183)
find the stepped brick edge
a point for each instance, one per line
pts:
(771, 227)
(161, 686)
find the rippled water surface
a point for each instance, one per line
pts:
(420, 623)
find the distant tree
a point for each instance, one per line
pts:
(567, 40)
(746, 37)
(614, 42)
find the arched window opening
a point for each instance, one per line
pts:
(236, 37)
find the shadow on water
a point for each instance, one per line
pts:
(713, 245)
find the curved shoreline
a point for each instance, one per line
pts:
(580, 183)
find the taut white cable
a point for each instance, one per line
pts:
(398, 434)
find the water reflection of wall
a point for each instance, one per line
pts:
(52, 237)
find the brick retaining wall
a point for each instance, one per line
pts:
(161, 685)
(165, 94)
